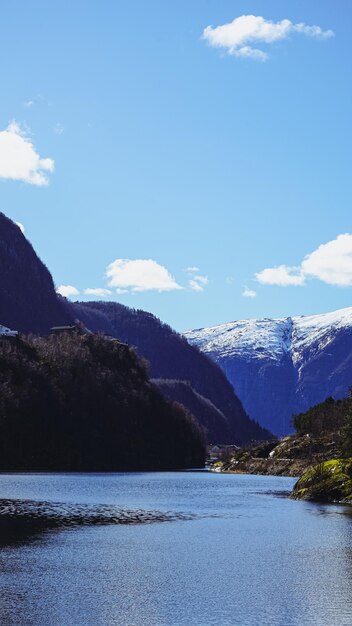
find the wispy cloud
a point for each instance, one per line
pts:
(140, 275)
(249, 293)
(67, 291)
(237, 36)
(58, 129)
(19, 159)
(38, 99)
(330, 263)
(99, 292)
(198, 282)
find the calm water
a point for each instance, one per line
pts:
(241, 553)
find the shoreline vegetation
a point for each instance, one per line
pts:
(319, 453)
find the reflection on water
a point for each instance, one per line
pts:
(240, 555)
(23, 520)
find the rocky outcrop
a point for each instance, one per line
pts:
(330, 481)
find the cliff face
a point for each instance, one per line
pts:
(266, 388)
(281, 367)
(28, 301)
(325, 370)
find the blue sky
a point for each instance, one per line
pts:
(166, 149)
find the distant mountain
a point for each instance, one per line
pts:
(280, 367)
(172, 357)
(28, 301)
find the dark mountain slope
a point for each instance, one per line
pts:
(172, 357)
(213, 421)
(28, 301)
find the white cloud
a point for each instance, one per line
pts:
(29, 104)
(237, 36)
(281, 275)
(195, 286)
(330, 263)
(249, 293)
(19, 159)
(67, 291)
(21, 227)
(198, 282)
(140, 275)
(99, 292)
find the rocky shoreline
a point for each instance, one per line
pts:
(290, 456)
(324, 475)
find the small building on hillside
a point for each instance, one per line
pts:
(72, 330)
(7, 332)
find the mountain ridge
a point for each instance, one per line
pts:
(296, 361)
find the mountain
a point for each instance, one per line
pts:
(75, 402)
(29, 304)
(171, 357)
(28, 301)
(280, 367)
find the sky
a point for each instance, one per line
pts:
(192, 159)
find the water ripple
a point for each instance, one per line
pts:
(20, 519)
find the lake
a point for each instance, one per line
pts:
(170, 549)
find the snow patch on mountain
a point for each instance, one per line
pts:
(261, 338)
(271, 338)
(312, 333)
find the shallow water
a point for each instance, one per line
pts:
(170, 549)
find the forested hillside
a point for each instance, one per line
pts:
(82, 403)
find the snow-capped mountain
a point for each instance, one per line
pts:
(279, 367)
